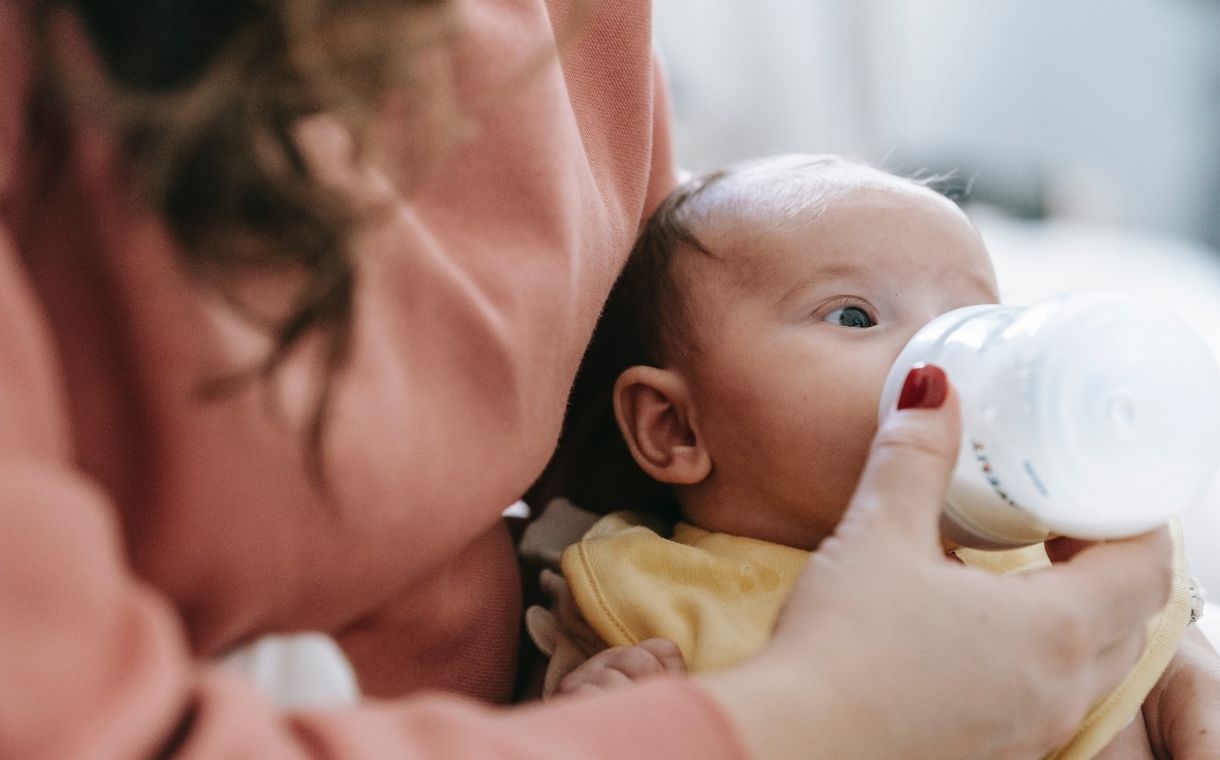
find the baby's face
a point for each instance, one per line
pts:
(796, 327)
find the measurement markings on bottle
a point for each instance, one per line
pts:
(1037, 481)
(984, 461)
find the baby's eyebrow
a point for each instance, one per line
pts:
(833, 271)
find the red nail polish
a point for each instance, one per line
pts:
(925, 388)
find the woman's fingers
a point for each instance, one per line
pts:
(902, 489)
(1105, 595)
(1114, 662)
(1119, 585)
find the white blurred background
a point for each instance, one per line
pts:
(1088, 132)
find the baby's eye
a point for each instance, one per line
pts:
(850, 316)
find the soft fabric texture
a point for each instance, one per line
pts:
(714, 595)
(147, 532)
(718, 596)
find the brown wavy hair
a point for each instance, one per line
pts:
(205, 96)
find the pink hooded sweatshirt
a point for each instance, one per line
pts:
(145, 532)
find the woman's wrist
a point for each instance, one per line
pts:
(778, 713)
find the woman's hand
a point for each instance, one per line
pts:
(1182, 712)
(887, 649)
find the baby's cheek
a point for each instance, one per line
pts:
(844, 455)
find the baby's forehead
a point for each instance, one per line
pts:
(777, 222)
(766, 196)
(756, 203)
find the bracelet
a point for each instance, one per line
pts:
(1198, 599)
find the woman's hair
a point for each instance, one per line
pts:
(205, 96)
(645, 310)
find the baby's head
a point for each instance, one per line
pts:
(768, 302)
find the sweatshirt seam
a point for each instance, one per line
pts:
(589, 582)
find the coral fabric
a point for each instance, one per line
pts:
(146, 531)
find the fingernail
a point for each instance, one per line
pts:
(925, 388)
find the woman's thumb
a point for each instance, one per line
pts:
(904, 482)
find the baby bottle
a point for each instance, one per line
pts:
(1091, 415)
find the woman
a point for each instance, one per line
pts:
(292, 296)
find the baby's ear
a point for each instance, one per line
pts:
(657, 418)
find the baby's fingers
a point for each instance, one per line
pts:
(648, 658)
(666, 653)
(620, 666)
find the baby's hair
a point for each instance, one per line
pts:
(645, 302)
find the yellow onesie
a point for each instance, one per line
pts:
(718, 596)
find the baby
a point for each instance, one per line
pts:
(755, 322)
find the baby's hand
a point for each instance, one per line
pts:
(619, 666)
(1183, 711)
